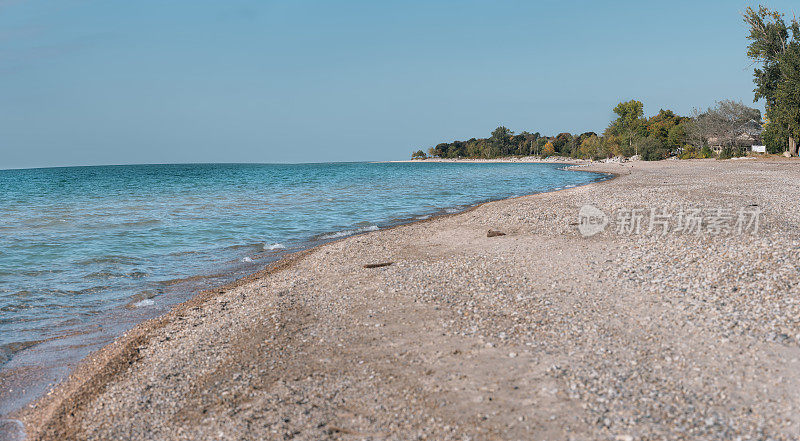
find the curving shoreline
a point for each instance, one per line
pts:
(20, 381)
(472, 294)
(17, 380)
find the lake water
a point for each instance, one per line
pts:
(88, 252)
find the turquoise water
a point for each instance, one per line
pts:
(89, 251)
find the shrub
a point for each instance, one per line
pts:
(651, 149)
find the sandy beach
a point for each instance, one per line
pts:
(540, 333)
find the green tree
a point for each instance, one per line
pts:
(528, 144)
(419, 154)
(592, 148)
(538, 148)
(775, 45)
(629, 124)
(563, 144)
(501, 134)
(787, 94)
(775, 137)
(500, 140)
(676, 136)
(651, 148)
(441, 150)
(473, 149)
(659, 126)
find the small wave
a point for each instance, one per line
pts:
(344, 233)
(144, 303)
(5, 355)
(452, 210)
(102, 275)
(34, 273)
(274, 246)
(112, 259)
(106, 274)
(246, 259)
(81, 292)
(427, 216)
(8, 350)
(142, 299)
(139, 223)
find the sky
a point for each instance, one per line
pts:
(91, 82)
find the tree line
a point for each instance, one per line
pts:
(660, 136)
(774, 46)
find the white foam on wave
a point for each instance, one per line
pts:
(452, 210)
(246, 259)
(427, 216)
(344, 233)
(274, 246)
(144, 303)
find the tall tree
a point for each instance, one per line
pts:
(774, 45)
(787, 94)
(659, 125)
(501, 137)
(563, 144)
(629, 123)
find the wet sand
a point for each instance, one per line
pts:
(538, 334)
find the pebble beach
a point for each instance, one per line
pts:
(432, 330)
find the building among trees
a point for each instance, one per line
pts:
(744, 138)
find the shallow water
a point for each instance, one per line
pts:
(86, 252)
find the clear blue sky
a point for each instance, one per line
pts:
(113, 82)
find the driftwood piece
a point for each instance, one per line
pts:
(493, 233)
(377, 265)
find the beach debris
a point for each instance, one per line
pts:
(494, 233)
(377, 265)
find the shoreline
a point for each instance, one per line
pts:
(315, 243)
(62, 411)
